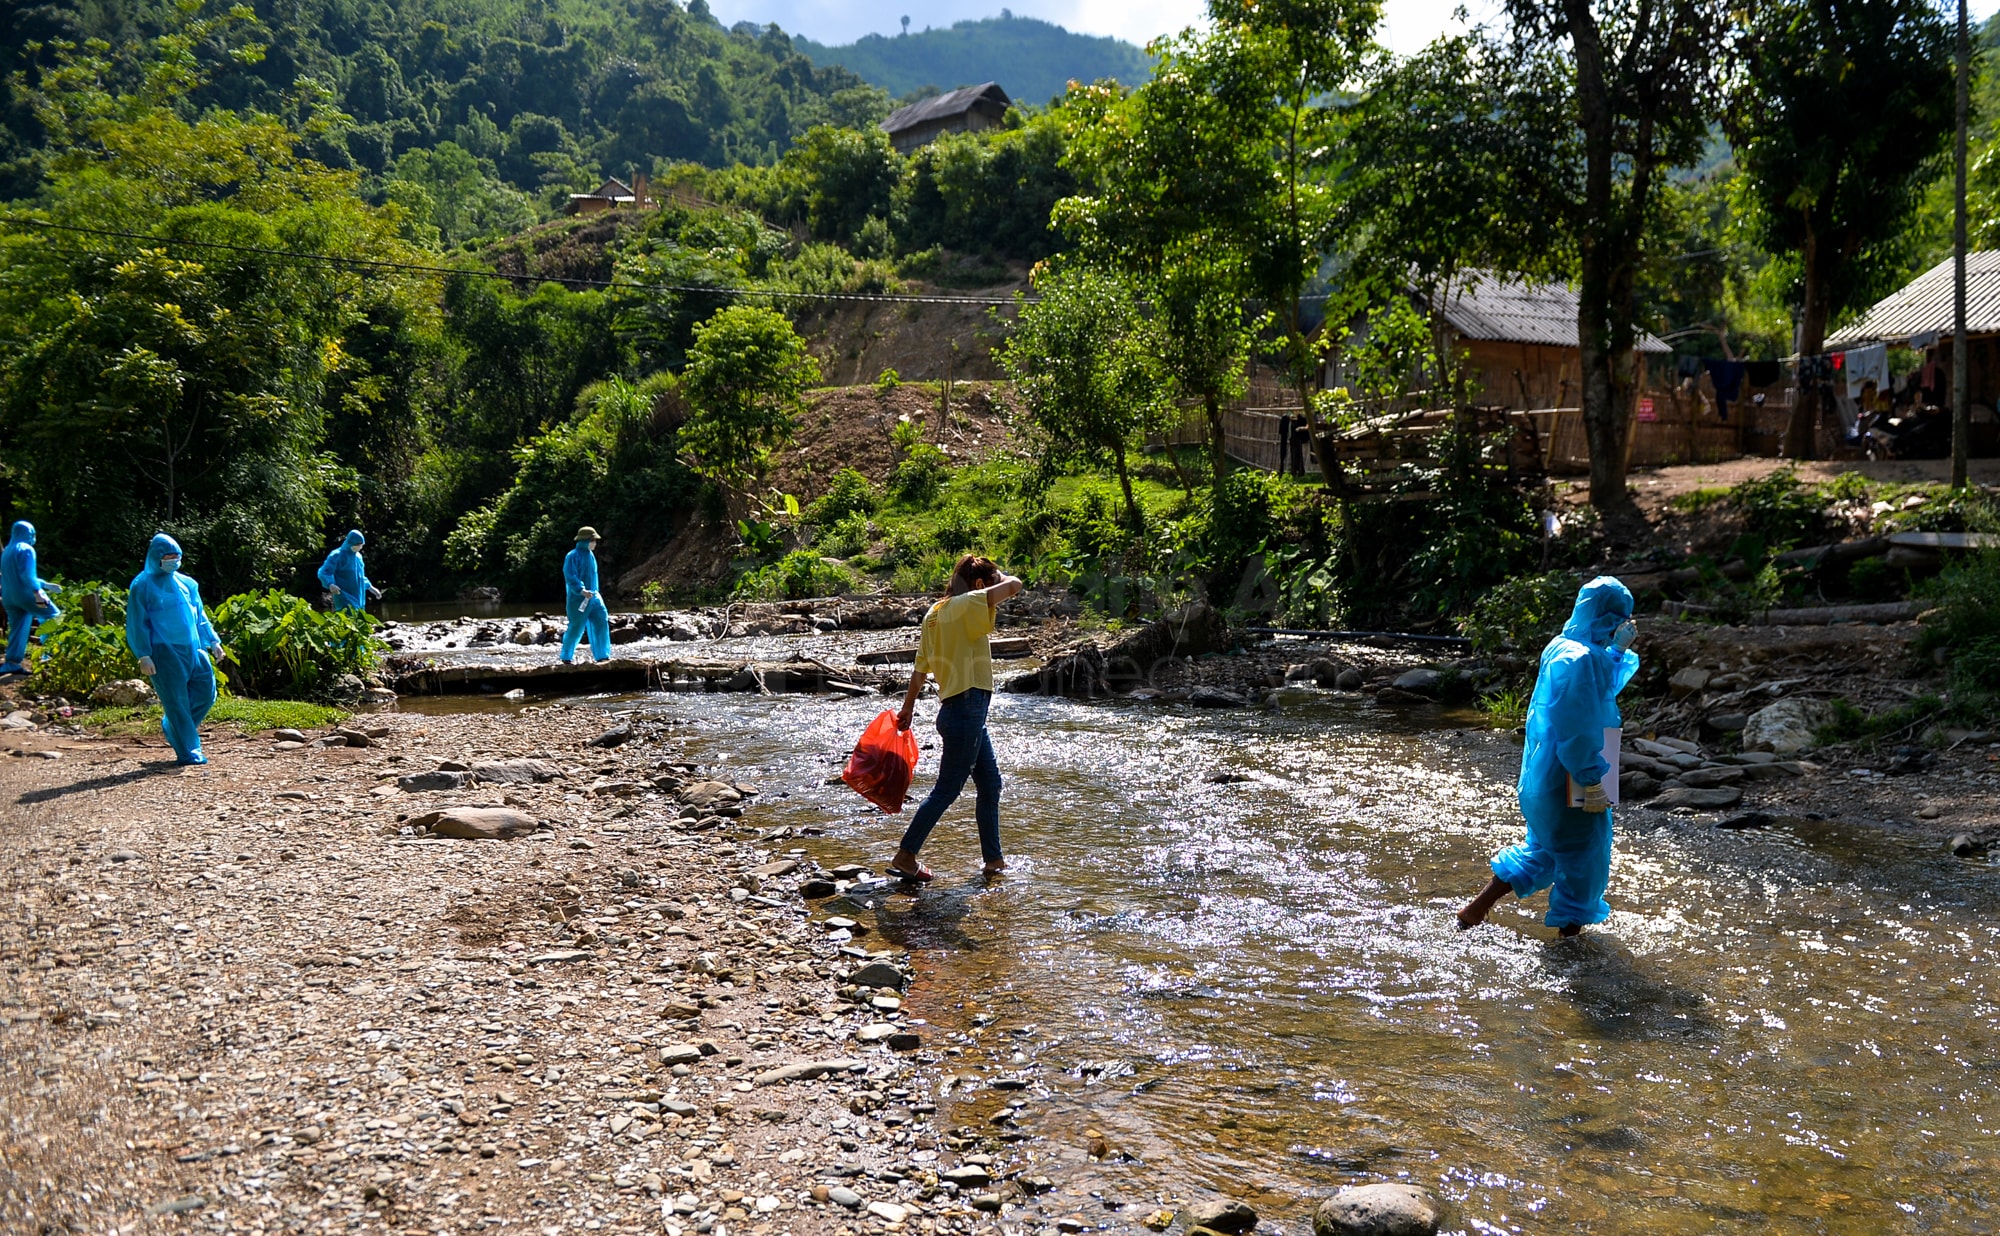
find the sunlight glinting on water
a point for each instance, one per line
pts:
(1255, 985)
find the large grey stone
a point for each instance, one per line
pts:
(1421, 681)
(1786, 727)
(515, 772)
(1709, 778)
(1692, 796)
(1688, 681)
(1221, 1214)
(879, 974)
(476, 823)
(1377, 1210)
(417, 783)
(124, 693)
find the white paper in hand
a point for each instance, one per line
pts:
(1612, 736)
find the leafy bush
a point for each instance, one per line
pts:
(845, 537)
(886, 381)
(1966, 624)
(957, 529)
(1957, 510)
(919, 479)
(849, 493)
(795, 577)
(1781, 509)
(1522, 614)
(77, 658)
(284, 647)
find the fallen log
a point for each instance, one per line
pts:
(1820, 616)
(1089, 672)
(1013, 646)
(426, 676)
(1812, 558)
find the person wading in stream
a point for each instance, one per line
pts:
(1572, 723)
(954, 647)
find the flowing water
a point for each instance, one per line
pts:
(1256, 986)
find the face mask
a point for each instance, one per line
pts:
(1623, 637)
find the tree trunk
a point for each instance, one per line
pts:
(1604, 424)
(1218, 457)
(1802, 434)
(1132, 515)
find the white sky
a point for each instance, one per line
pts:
(1407, 25)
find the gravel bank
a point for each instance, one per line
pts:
(246, 998)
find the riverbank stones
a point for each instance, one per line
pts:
(1377, 1210)
(1220, 1214)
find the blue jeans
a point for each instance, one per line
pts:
(968, 752)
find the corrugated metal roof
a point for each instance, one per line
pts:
(1924, 304)
(1491, 306)
(945, 106)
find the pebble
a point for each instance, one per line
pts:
(841, 1195)
(888, 1212)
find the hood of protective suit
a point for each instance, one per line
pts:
(1602, 605)
(354, 539)
(23, 531)
(162, 546)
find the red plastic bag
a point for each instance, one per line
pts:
(882, 764)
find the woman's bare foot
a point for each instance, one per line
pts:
(1476, 910)
(905, 864)
(995, 867)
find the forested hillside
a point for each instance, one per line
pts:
(544, 95)
(1034, 60)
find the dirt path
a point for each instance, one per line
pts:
(242, 998)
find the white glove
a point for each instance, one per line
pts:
(374, 592)
(146, 667)
(1595, 799)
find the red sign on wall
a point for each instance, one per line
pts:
(1646, 412)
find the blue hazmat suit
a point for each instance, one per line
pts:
(580, 577)
(344, 576)
(1568, 850)
(166, 621)
(24, 595)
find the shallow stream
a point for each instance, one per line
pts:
(1257, 986)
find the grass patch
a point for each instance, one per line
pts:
(1505, 710)
(1851, 725)
(243, 715)
(1697, 500)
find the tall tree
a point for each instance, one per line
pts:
(1085, 361)
(1841, 114)
(1644, 91)
(1129, 148)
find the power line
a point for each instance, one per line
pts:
(419, 268)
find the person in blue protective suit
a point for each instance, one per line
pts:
(167, 628)
(583, 602)
(344, 577)
(24, 594)
(1561, 790)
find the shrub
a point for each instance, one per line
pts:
(849, 493)
(795, 577)
(886, 381)
(957, 529)
(77, 658)
(1521, 614)
(919, 479)
(284, 647)
(1966, 623)
(1781, 509)
(845, 537)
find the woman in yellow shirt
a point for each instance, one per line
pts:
(954, 648)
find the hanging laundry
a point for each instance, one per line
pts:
(1688, 366)
(1763, 373)
(1727, 378)
(1919, 342)
(1869, 364)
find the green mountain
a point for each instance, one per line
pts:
(1031, 59)
(545, 94)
